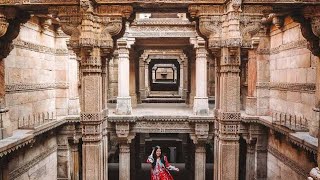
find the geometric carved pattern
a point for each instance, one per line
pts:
(295, 87)
(16, 88)
(229, 116)
(161, 127)
(39, 48)
(291, 45)
(90, 117)
(229, 128)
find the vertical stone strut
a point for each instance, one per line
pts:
(91, 29)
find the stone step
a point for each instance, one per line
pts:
(164, 96)
(163, 100)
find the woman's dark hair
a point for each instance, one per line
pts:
(155, 157)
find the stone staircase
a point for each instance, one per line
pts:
(164, 97)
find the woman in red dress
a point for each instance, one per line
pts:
(160, 165)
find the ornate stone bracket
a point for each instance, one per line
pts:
(309, 21)
(201, 134)
(10, 21)
(123, 132)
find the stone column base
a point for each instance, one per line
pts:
(134, 100)
(185, 94)
(143, 94)
(180, 91)
(201, 106)
(251, 106)
(124, 106)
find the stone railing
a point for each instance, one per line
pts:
(34, 120)
(292, 122)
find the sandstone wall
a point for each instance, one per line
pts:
(36, 163)
(292, 73)
(40, 76)
(286, 160)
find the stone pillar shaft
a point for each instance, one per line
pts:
(123, 99)
(146, 72)
(142, 77)
(91, 114)
(227, 138)
(63, 171)
(181, 80)
(250, 162)
(75, 162)
(123, 73)
(200, 162)
(251, 102)
(201, 106)
(185, 79)
(124, 162)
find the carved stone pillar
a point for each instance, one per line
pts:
(250, 162)
(173, 154)
(228, 115)
(123, 99)
(132, 80)
(185, 77)
(142, 78)
(105, 84)
(63, 171)
(201, 105)
(199, 139)
(124, 161)
(75, 161)
(200, 163)
(147, 77)
(181, 79)
(91, 115)
(251, 102)
(113, 76)
(124, 138)
(262, 156)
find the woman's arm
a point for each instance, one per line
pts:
(150, 157)
(168, 166)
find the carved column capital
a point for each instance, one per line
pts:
(210, 22)
(250, 28)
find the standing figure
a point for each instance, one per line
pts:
(160, 165)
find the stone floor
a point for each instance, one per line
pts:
(144, 173)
